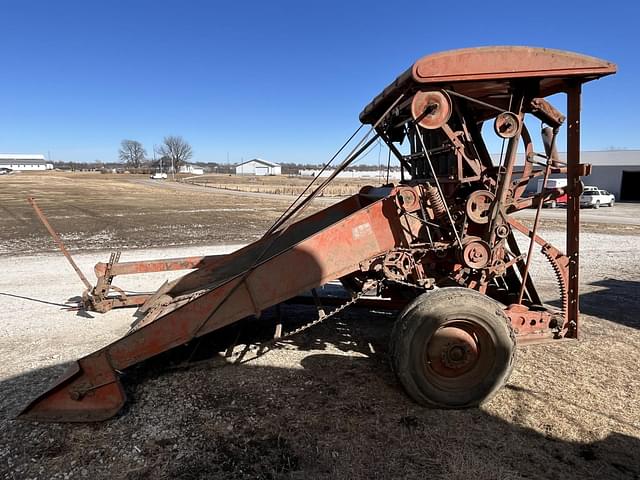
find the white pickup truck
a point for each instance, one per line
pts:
(593, 197)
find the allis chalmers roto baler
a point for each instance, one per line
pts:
(441, 242)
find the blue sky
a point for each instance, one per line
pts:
(284, 81)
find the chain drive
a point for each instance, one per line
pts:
(322, 318)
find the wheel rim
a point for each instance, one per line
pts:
(459, 355)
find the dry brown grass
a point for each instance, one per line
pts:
(280, 184)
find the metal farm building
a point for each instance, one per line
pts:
(257, 166)
(23, 162)
(617, 171)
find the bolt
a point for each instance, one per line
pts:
(75, 395)
(456, 353)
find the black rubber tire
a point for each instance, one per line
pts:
(553, 204)
(597, 205)
(416, 326)
(612, 203)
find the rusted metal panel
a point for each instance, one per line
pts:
(88, 391)
(484, 72)
(506, 62)
(366, 232)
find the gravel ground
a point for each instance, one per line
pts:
(323, 404)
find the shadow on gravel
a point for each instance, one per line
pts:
(618, 301)
(341, 414)
(31, 299)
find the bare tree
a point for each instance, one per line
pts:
(177, 149)
(132, 153)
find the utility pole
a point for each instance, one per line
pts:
(154, 158)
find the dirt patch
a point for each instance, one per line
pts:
(94, 212)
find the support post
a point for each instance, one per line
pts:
(573, 204)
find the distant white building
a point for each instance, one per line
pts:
(23, 162)
(257, 166)
(192, 169)
(617, 171)
(382, 174)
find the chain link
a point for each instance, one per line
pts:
(322, 318)
(333, 313)
(406, 284)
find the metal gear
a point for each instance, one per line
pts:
(560, 272)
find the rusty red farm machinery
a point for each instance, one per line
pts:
(441, 242)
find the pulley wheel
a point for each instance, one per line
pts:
(476, 254)
(431, 109)
(407, 199)
(502, 231)
(479, 205)
(507, 125)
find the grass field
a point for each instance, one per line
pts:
(323, 404)
(281, 185)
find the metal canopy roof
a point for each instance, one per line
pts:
(487, 73)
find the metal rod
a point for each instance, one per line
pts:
(426, 222)
(435, 178)
(388, 166)
(324, 167)
(276, 234)
(164, 265)
(355, 152)
(305, 203)
(424, 215)
(504, 180)
(475, 100)
(573, 203)
(536, 221)
(58, 241)
(395, 151)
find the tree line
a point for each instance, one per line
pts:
(174, 152)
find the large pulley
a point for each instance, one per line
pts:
(479, 205)
(432, 109)
(507, 125)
